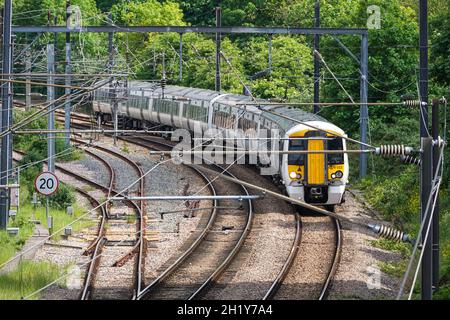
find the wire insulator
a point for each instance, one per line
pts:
(413, 103)
(439, 142)
(410, 160)
(390, 233)
(393, 150)
(163, 83)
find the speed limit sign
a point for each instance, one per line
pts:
(46, 183)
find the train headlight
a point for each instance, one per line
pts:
(333, 176)
(293, 175)
(299, 176)
(339, 174)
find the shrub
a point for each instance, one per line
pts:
(63, 198)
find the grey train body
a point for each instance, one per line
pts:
(143, 104)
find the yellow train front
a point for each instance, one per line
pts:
(316, 178)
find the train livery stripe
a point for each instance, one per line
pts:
(316, 163)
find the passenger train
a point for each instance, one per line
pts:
(315, 178)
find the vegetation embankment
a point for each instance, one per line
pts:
(29, 275)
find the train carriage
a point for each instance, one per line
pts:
(315, 178)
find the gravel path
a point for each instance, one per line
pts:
(94, 168)
(124, 172)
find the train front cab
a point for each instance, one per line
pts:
(316, 178)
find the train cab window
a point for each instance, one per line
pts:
(297, 159)
(336, 158)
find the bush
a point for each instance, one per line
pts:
(397, 197)
(443, 293)
(63, 198)
(36, 150)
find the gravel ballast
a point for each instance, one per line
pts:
(263, 253)
(358, 272)
(265, 249)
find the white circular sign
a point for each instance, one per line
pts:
(46, 183)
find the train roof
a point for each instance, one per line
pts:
(294, 113)
(233, 99)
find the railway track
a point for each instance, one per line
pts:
(194, 270)
(161, 286)
(191, 249)
(96, 248)
(151, 291)
(139, 249)
(294, 250)
(321, 255)
(335, 262)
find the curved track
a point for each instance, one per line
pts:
(95, 248)
(276, 284)
(210, 269)
(140, 247)
(288, 263)
(271, 292)
(97, 245)
(335, 262)
(292, 284)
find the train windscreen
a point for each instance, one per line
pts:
(335, 158)
(297, 159)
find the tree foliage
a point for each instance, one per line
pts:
(440, 49)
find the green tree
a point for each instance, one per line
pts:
(88, 49)
(199, 12)
(135, 48)
(440, 49)
(105, 5)
(291, 60)
(201, 64)
(392, 60)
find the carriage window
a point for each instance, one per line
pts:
(336, 158)
(297, 159)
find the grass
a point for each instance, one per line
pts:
(27, 278)
(73, 155)
(88, 188)
(60, 218)
(9, 245)
(30, 276)
(443, 293)
(396, 269)
(125, 148)
(397, 198)
(394, 246)
(131, 218)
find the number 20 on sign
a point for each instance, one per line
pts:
(46, 183)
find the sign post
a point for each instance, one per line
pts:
(47, 183)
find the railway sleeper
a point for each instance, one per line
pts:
(120, 243)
